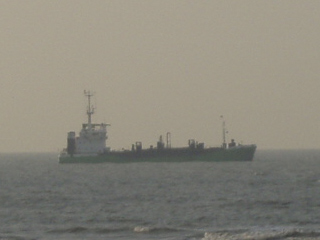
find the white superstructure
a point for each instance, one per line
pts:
(92, 137)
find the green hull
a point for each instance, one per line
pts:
(241, 153)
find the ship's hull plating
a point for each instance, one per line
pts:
(241, 153)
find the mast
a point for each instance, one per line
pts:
(168, 140)
(224, 144)
(90, 109)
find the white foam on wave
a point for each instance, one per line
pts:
(271, 234)
(141, 229)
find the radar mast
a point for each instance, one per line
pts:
(224, 131)
(90, 109)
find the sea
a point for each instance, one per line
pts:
(274, 197)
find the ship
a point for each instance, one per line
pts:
(89, 146)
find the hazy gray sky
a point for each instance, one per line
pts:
(159, 66)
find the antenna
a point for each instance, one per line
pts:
(90, 109)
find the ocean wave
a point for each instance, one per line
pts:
(142, 229)
(80, 229)
(14, 238)
(272, 234)
(147, 229)
(137, 229)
